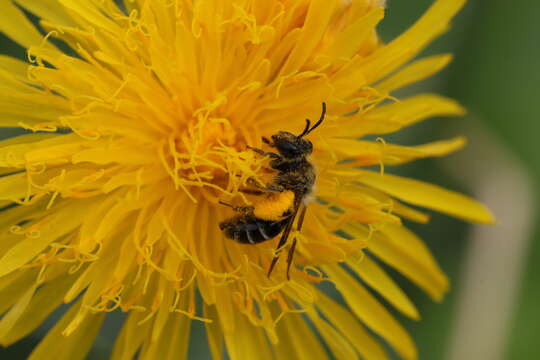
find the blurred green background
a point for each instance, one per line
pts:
(495, 75)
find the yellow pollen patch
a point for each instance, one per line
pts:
(274, 206)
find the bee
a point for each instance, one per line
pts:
(284, 197)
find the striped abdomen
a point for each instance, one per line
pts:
(250, 230)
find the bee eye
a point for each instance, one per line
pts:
(309, 147)
(288, 149)
(289, 146)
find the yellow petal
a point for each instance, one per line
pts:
(213, 332)
(180, 330)
(14, 187)
(170, 331)
(62, 222)
(317, 18)
(339, 346)
(247, 341)
(434, 22)
(15, 25)
(379, 281)
(47, 10)
(396, 207)
(409, 111)
(58, 347)
(348, 42)
(409, 213)
(417, 71)
(410, 243)
(15, 67)
(351, 329)
(96, 279)
(389, 118)
(297, 340)
(283, 49)
(366, 153)
(225, 309)
(124, 154)
(14, 286)
(42, 304)
(404, 251)
(24, 140)
(131, 5)
(93, 14)
(427, 195)
(160, 320)
(131, 337)
(15, 110)
(19, 150)
(16, 312)
(371, 312)
(433, 149)
(12, 85)
(13, 216)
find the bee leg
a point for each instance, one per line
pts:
(290, 256)
(272, 188)
(268, 171)
(282, 242)
(252, 191)
(242, 209)
(285, 235)
(264, 153)
(292, 249)
(267, 141)
(301, 219)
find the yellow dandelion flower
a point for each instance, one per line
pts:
(136, 133)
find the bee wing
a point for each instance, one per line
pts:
(286, 233)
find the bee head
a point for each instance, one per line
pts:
(292, 146)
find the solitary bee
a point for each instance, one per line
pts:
(284, 197)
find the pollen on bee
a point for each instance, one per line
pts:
(274, 206)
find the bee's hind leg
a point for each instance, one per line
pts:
(292, 249)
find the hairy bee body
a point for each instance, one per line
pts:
(267, 218)
(264, 221)
(248, 229)
(284, 195)
(297, 176)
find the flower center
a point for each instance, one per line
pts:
(209, 157)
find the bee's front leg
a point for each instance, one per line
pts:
(266, 188)
(252, 192)
(265, 153)
(267, 141)
(240, 209)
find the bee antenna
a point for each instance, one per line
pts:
(307, 130)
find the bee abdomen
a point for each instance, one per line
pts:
(251, 230)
